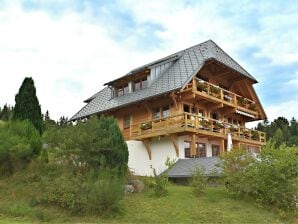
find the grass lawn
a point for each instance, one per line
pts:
(180, 206)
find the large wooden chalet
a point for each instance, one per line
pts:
(182, 106)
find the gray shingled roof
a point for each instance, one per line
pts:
(186, 167)
(188, 63)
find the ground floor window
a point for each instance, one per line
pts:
(201, 149)
(215, 150)
(187, 149)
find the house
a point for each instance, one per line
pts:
(185, 105)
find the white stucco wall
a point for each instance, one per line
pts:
(161, 148)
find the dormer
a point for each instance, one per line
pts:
(140, 78)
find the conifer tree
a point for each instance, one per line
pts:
(27, 106)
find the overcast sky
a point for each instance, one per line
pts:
(71, 48)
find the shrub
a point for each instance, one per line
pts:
(198, 182)
(275, 177)
(104, 193)
(19, 143)
(96, 143)
(160, 184)
(271, 179)
(94, 193)
(235, 164)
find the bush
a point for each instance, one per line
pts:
(96, 143)
(271, 179)
(19, 143)
(235, 164)
(198, 182)
(275, 177)
(95, 193)
(104, 193)
(160, 184)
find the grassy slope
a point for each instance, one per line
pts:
(180, 206)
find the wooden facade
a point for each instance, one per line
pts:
(216, 101)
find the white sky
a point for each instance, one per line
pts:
(72, 53)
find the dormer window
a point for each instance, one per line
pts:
(140, 84)
(123, 90)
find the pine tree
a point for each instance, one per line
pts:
(47, 116)
(27, 105)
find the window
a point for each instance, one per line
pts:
(186, 108)
(160, 112)
(126, 121)
(140, 84)
(215, 116)
(166, 111)
(201, 148)
(187, 149)
(215, 150)
(123, 90)
(156, 113)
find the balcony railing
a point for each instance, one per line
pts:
(187, 122)
(218, 94)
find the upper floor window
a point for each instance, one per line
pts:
(156, 113)
(160, 112)
(126, 121)
(166, 111)
(140, 84)
(123, 90)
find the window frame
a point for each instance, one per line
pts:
(187, 149)
(200, 151)
(125, 124)
(212, 149)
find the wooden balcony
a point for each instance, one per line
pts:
(216, 94)
(187, 123)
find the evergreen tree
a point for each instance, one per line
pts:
(47, 116)
(27, 106)
(6, 113)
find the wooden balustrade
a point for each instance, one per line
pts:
(187, 122)
(219, 94)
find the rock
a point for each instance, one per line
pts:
(129, 189)
(137, 184)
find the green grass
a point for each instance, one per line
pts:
(179, 206)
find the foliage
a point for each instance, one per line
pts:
(281, 131)
(272, 178)
(234, 165)
(27, 106)
(6, 112)
(160, 184)
(94, 193)
(198, 182)
(96, 143)
(275, 176)
(170, 162)
(104, 192)
(19, 143)
(215, 206)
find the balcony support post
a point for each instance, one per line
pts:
(174, 141)
(146, 143)
(193, 145)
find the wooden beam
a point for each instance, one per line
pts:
(216, 107)
(193, 145)
(147, 107)
(146, 143)
(222, 147)
(174, 141)
(228, 111)
(173, 96)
